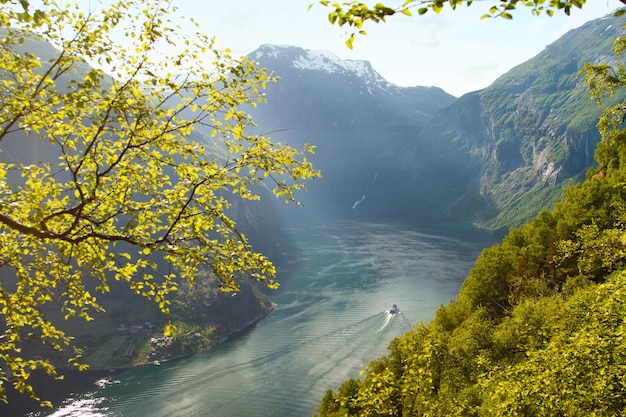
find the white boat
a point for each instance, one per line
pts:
(394, 309)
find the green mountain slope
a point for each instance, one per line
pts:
(532, 132)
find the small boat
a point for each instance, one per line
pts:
(394, 309)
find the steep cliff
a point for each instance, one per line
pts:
(533, 130)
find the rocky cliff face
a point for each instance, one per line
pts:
(533, 131)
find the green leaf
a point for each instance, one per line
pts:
(349, 41)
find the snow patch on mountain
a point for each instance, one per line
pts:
(322, 60)
(327, 61)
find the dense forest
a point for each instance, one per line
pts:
(539, 324)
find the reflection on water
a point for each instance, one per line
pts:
(332, 319)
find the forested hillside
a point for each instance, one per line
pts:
(537, 329)
(538, 326)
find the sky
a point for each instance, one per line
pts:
(454, 50)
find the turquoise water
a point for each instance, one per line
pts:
(332, 319)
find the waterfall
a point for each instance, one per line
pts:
(356, 203)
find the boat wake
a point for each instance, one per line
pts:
(386, 320)
(390, 314)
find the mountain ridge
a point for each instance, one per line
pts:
(327, 61)
(494, 156)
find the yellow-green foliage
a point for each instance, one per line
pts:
(127, 187)
(355, 13)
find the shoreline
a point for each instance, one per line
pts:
(231, 335)
(75, 381)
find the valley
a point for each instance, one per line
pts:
(415, 186)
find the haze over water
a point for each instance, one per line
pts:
(332, 319)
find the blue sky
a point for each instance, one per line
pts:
(454, 50)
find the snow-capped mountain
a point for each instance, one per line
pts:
(358, 121)
(322, 60)
(323, 88)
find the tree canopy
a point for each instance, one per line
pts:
(128, 183)
(355, 13)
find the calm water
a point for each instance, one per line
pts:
(332, 319)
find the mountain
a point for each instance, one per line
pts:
(357, 121)
(494, 157)
(329, 88)
(533, 131)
